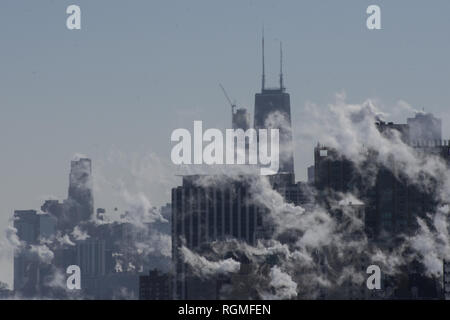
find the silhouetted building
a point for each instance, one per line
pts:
(299, 193)
(424, 127)
(5, 293)
(334, 172)
(79, 205)
(219, 208)
(91, 257)
(392, 201)
(80, 196)
(201, 214)
(389, 129)
(240, 119)
(30, 271)
(155, 286)
(273, 111)
(311, 176)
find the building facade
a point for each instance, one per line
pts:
(155, 286)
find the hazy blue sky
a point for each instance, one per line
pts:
(116, 89)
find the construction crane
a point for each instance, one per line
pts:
(233, 105)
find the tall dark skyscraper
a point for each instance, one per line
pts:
(202, 214)
(273, 111)
(333, 172)
(30, 272)
(80, 188)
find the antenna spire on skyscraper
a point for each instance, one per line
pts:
(263, 84)
(281, 66)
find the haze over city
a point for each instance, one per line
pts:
(116, 89)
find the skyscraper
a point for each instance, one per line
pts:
(79, 205)
(29, 270)
(80, 193)
(424, 127)
(203, 213)
(273, 111)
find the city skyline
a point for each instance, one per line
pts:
(69, 220)
(76, 213)
(109, 144)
